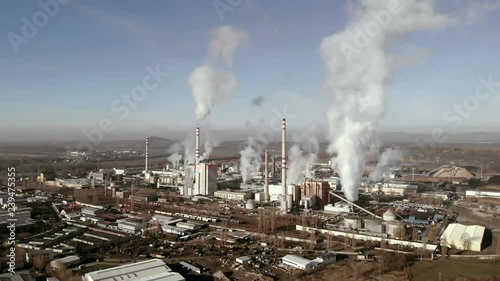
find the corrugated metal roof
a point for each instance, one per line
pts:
(297, 259)
(150, 270)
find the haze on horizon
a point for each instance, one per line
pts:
(71, 74)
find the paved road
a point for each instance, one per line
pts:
(465, 215)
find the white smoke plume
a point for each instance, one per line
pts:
(208, 86)
(225, 40)
(189, 150)
(251, 157)
(210, 142)
(301, 156)
(175, 154)
(386, 161)
(358, 70)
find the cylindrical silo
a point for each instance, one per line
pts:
(352, 222)
(250, 204)
(289, 200)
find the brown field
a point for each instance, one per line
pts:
(453, 269)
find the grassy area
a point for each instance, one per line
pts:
(453, 269)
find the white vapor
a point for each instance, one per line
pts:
(301, 156)
(386, 161)
(251, 157)
(225, 40)
(358, 69)
(175, 154)
(208, 86)
(210, 142)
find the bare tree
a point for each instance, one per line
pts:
(39, 262)
(466, 242)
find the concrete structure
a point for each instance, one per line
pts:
(89, 211)
(188, 225)
(390, 188)
(266, 176)
(316, 188)
(197, 164)
(149, 270)
(146, 164)
(161, 219)
(67, 262)
(373, 225)
(232, 195)
(463, 237)
(389, 215)
(298, 262)
(175, 230)
(275, 192)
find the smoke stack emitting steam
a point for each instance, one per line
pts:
(358, 70)
(283, 164)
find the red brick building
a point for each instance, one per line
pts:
(319, 189)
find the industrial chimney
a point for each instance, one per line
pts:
(283, 166)
(146, 168)
(266, 174)
(197, 162)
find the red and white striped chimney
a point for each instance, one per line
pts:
(197, 146)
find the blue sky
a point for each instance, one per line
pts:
(90, 52)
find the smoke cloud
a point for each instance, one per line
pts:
(358, 70)
(386, 161)
(175, 154)
(301, 157)
(225, 40)
(251, 156)
(210, 142)
(182, 150)
(257, 101)
(208, 86)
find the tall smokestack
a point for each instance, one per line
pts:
(283, 164)
(147, 156)
(273, 167)
(197, 162)
(266, 173)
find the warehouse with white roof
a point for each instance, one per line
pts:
(298, 262)
(149, 270)
(463, 237)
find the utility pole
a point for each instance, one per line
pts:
(412, 174)
(439, 276)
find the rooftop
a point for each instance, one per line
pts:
(150, 270)
(297, 259)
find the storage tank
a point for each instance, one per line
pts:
(393, 227)
(373, 225)
(250, 204)
(389, 215)
(352, 222)
(289, 200)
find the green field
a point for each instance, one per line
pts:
(453, 269)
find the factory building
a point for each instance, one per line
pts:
(22, 216)
(482, 194)
(339, 208)
(66, 262)
(275, 192)
(298, 262)
(319, 189)
(463, 237)
(390, 188)
(207, 174)
(149, 270)
(46, 255)
(233, 195)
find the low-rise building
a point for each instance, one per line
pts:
(46, 255)
(22, 216)
(65, 262)
(298, 262)
(232, 195)
(149, 270)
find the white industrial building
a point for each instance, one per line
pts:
(275, 192)
(482, 194)
(339, 208)
(175, 230)
(149, 270)
(389, 188)
(66, 262)
(233, 195)
(129, 226)
(207, 175)
(463, 237)
(298, 262)
(188, 225)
